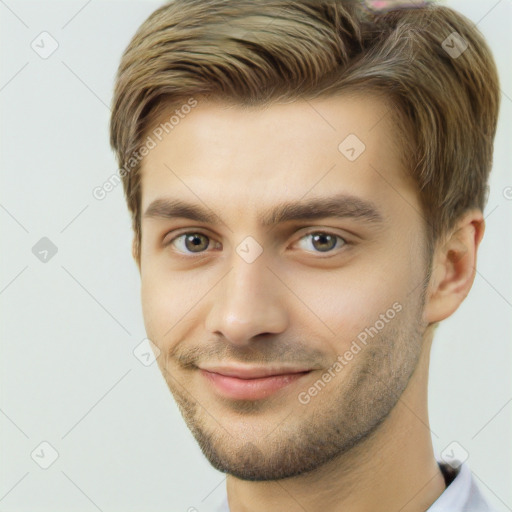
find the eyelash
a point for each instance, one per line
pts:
(313, 232)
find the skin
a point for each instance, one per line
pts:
(363, 442)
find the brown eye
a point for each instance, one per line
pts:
(319, 241)
(191, 242)
(324, 242)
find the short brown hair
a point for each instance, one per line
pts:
(429, 61)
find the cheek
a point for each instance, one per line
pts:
(340, 304)
(345, 310)
(160, 304)
(170, 301)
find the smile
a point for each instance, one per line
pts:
(240, 385)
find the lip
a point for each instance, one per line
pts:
(253, 372)
(251, 383)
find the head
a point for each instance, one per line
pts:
(306, 182)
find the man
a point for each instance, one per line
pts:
(306, 181)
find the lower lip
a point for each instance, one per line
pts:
(250, 389)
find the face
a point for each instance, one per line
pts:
(282, 266)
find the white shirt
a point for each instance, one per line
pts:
(461, 495)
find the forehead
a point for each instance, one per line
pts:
(246, 158)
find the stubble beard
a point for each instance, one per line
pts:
(343, 415)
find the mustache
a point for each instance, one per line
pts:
(257, 353)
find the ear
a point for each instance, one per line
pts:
(135, 251)
(454, 267)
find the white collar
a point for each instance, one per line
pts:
(461, 495)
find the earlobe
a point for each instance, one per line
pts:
(454, 268)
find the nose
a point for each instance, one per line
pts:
(250, 301)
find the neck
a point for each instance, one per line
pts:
(394, 469)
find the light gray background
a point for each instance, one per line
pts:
(69, 326)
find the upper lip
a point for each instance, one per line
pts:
(252, 372)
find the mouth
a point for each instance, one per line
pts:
(251, 383)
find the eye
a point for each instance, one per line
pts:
(190, 242)
(320, 241)
(193, 242)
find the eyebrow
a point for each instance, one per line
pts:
(338, 206)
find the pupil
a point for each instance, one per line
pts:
(322, 238)
(193, 242)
